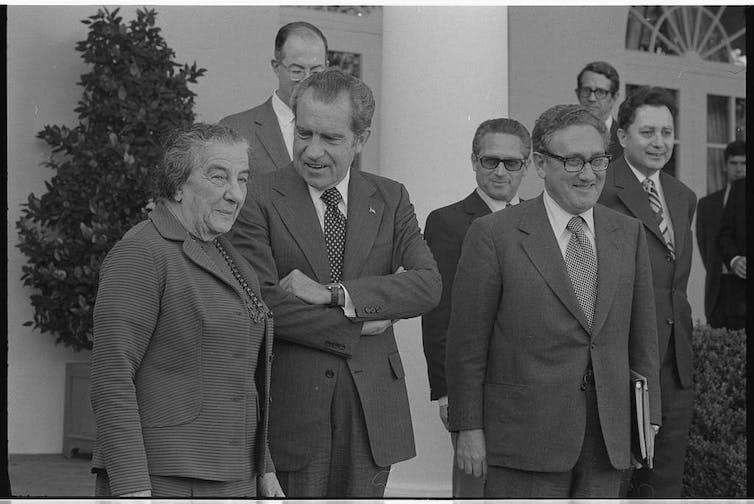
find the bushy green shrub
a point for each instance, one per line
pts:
(133, 94)
(716, 457)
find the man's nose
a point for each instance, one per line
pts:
(314, 148)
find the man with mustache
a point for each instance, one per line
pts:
(637, 186)
(499, 157)
(597, 88)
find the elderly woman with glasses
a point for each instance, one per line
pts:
(182, 341)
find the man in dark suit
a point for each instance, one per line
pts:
(721, 288)
(552, 306)
(597, 88)
(732, 246)
(499, 157)
(340, 258)
(300, 50)
(637, 186)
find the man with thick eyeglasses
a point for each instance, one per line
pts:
(300, 50)
(499, 157)
(597, 88)
(637, 186)
(552, 308)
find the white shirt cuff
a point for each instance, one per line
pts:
(349, 310)
(733, 261)
(443, 401)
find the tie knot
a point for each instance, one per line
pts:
(648, 185)
(576, 225)
(331, 197)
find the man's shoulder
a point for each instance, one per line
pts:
(617, 218)
(671, 184)
(264, 182)
(387, 186)
(245, 116)
(455, 208)
(712, 200)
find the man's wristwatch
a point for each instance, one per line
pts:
(337, 294)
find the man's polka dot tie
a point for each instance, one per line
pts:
(335, 233)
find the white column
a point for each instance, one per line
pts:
(444, 71)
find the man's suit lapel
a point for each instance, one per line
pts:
(544, 252)
(268, 132)
(633, 195)
(291, 199)
(677, 209)
(475, 206)
(607, 241)
(365, 210)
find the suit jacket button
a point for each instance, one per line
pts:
(668, 257)
(329, 373)
(670, 321)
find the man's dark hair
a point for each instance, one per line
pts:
(297, 28)
(560, 117)
(736, 148)
(651, 96)
(505, 126)
(603, 68)
(327, 86)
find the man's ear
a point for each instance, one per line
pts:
(361, 140)
(622, 136)
(539, 164)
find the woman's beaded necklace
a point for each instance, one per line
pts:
(257, 309)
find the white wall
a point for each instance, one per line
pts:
(43, 69)
(444, 72)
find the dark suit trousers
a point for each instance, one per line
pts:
(343, 466)
(593, 476)
(664, 481)
(730, 309)
(173, 486)
(465, 486)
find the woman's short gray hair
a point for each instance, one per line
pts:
(179, 155)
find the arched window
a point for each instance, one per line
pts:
(712, 33)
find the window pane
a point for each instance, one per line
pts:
(740, 118)
(718, 119)
(715, 165)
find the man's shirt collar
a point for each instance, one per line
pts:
(559, 217)
(282, 110)
(494, 204)
(342, 187)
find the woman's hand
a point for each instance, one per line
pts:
(268, 485)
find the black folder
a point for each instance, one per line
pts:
(642, 433)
